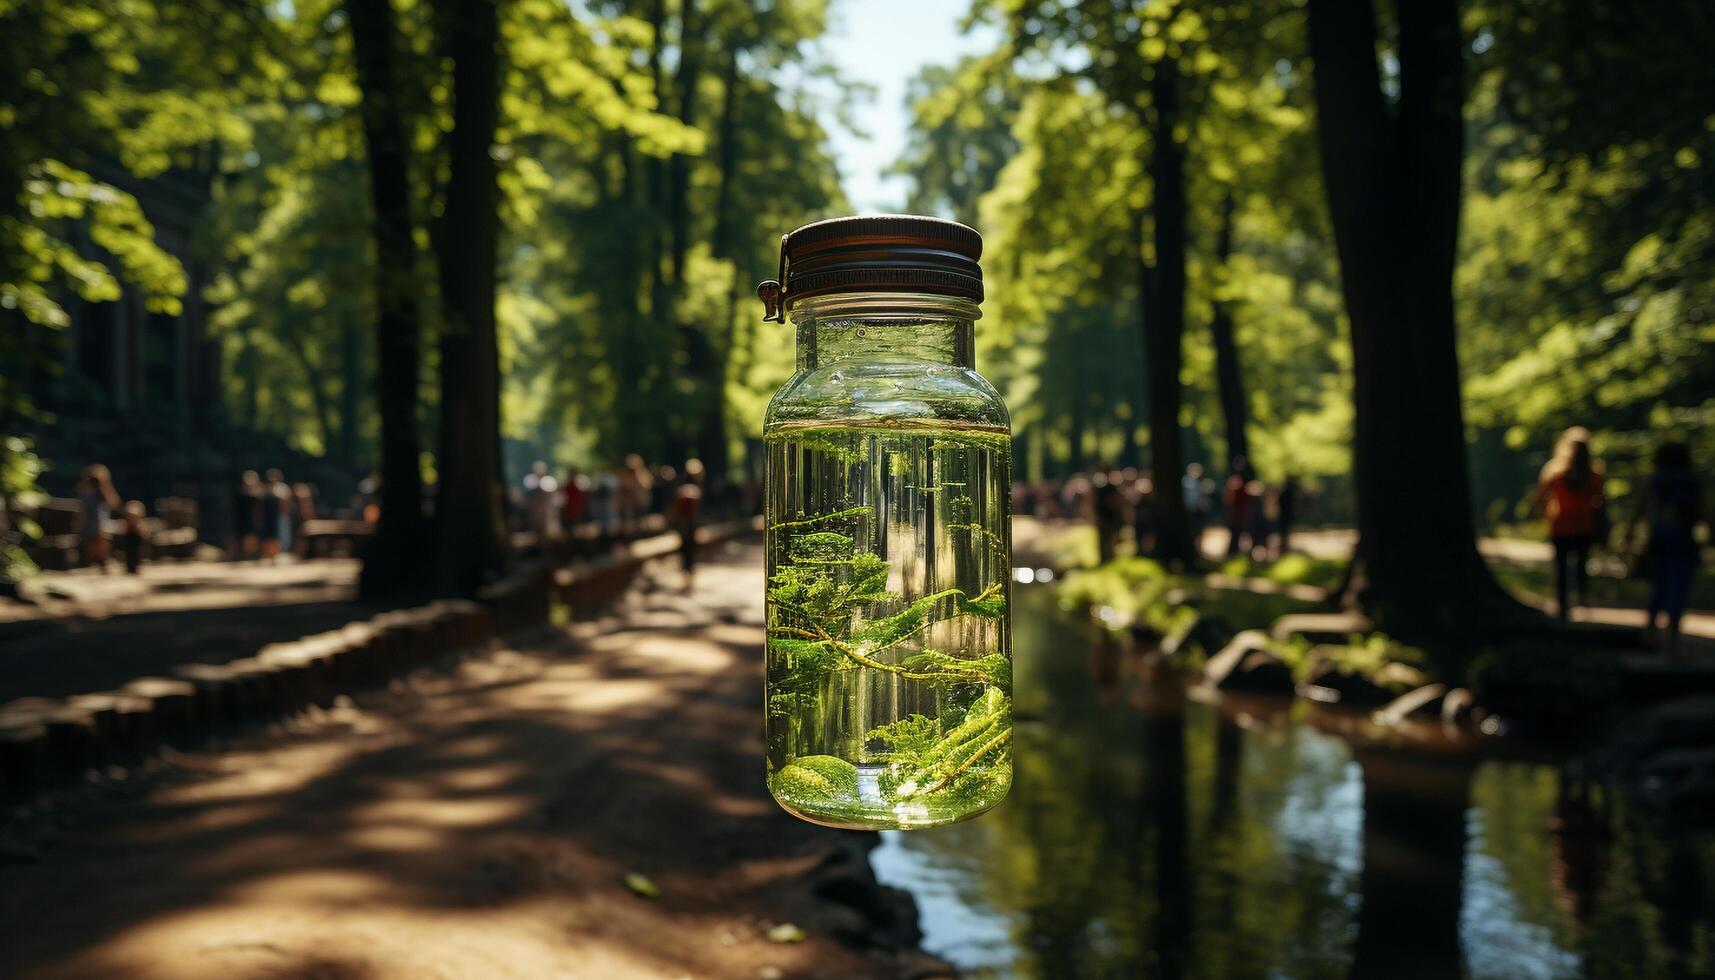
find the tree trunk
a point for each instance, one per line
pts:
(395, 555)
(712, 438)
(1163, 289)
(685, 81)
(1393, 185)
(1075, 437)
(647, 414)
(1229, 381)
(350, 393)
(248, 371)
(470, 523)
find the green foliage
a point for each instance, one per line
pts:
(1290, 569)
(963, 133)
(1043, 142)
(649, 157)
(818, 776)
(926, 764)
(1184, 611)
(56, 197)
(1127, 586)
(908, 739)
(829, 611)
(1376, 657)
(1583, 282)
(19, 468)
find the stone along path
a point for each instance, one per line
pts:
(477, 823)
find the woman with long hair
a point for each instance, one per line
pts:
(1569, 494)
(96, 498)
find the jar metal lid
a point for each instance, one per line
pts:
(879, 253)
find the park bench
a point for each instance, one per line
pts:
(326, 538)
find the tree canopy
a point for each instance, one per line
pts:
(1164, 282)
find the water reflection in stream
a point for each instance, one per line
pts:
(1152, 835)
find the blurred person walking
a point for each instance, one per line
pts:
(1260, 526)
(604, 504)
(1569, 495)
(635, 486)
(1142, 533)
(1109, 507)
(134, 536)
(686, 513)
(1672, 506)
(574, 499)
(1236, 501)
(1196, 502)
(247, 516)
(303, 511)
(1286, 512)
(96, 500)
(367, 500)
(276, 519)
(541, 516)
(662, 492)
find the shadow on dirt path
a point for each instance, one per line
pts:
(477, 823)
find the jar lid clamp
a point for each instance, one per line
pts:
(883, 253)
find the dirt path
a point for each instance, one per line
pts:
(478, 823)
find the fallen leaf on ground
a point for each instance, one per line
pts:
(785, 932)
(641, 885)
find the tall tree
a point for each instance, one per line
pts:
(397, 553)
(1392, 173)
(1229, 379)
(1150, 62)
(470, 536)
(1163, 288)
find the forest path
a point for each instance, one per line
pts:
(478, 822)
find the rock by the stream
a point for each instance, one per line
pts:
(1321, 627)
(1457, 704)
(1421, 702)
(1245, 664)
(1679, 778)
(1326, 681)
(1666, 755)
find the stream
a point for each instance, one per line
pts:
(1149, 833)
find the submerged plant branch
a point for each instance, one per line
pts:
(829, 609)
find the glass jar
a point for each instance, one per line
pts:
(888, 534)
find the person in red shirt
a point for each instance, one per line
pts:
(1236, 499)
(1569, 495)
(574, 500)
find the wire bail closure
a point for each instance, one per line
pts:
(772, 309)
(772, 292)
